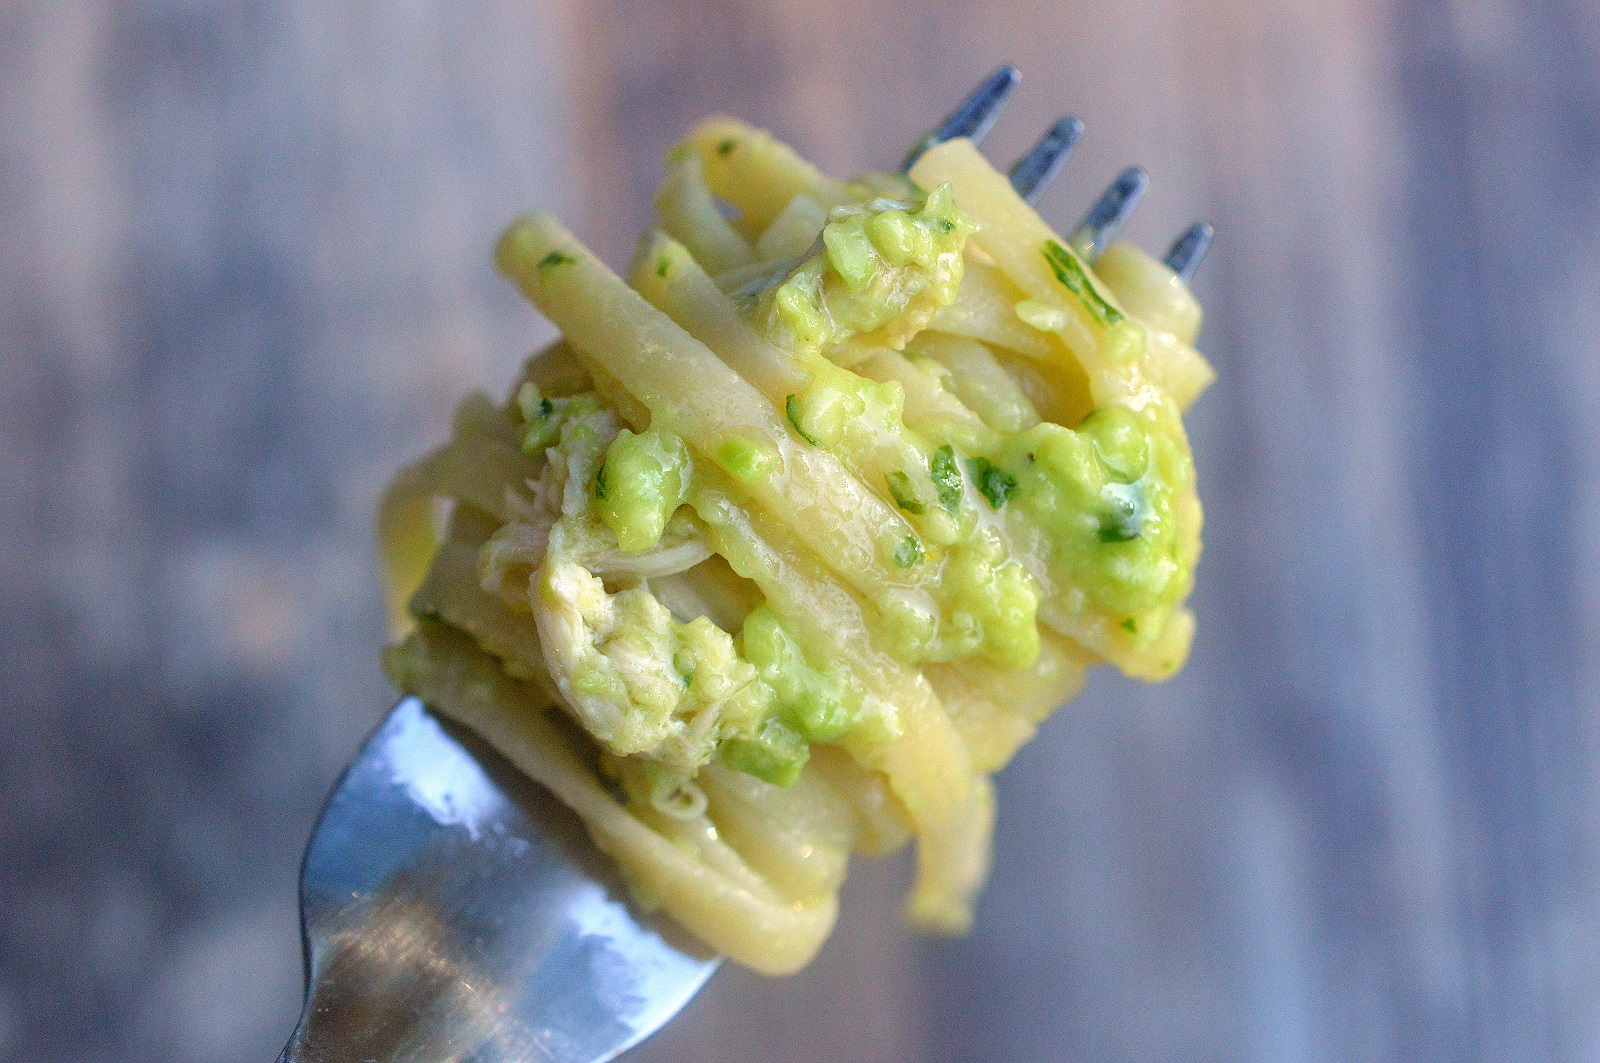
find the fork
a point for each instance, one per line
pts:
(450, 910)
(1038, 166)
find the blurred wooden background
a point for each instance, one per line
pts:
(243, 274)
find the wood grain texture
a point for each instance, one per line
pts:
(243, 275)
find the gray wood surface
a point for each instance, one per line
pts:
(243, 274)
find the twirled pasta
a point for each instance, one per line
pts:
(794, 538)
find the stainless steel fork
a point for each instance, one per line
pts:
(1038, 166)
(453, 911)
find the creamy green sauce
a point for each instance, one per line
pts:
(1092, 507)
(884, 268)
(1103, 495)
(640, 485)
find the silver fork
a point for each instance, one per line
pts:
(1038, 166)
(451, 910)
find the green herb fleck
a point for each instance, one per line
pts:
(904, 495)
(1123, 518)
(909, 552)
(662, 265)
(946, 477)
(556, 258)
(534, 406)
(1069, 270)
(994, 483)
(726, 147)
(791, 406)
(683, 662)
(600, 481)
(1131, 626)
(540, 424)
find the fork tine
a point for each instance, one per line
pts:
(1032, 173)
(1189, 249)
(973, 117)
(1110, 212)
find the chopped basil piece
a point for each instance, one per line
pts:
(540, 424)
(946, 477)
(600, 481)
(791, 406)
(534, 406)
(1069, 270)
(1123, 518)
(994, 483)
(726, 147)
(909, 552)
(556, 258)
(903, 493)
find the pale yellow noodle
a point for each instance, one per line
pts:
(774, 524)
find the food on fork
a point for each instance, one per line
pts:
(797, 534)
